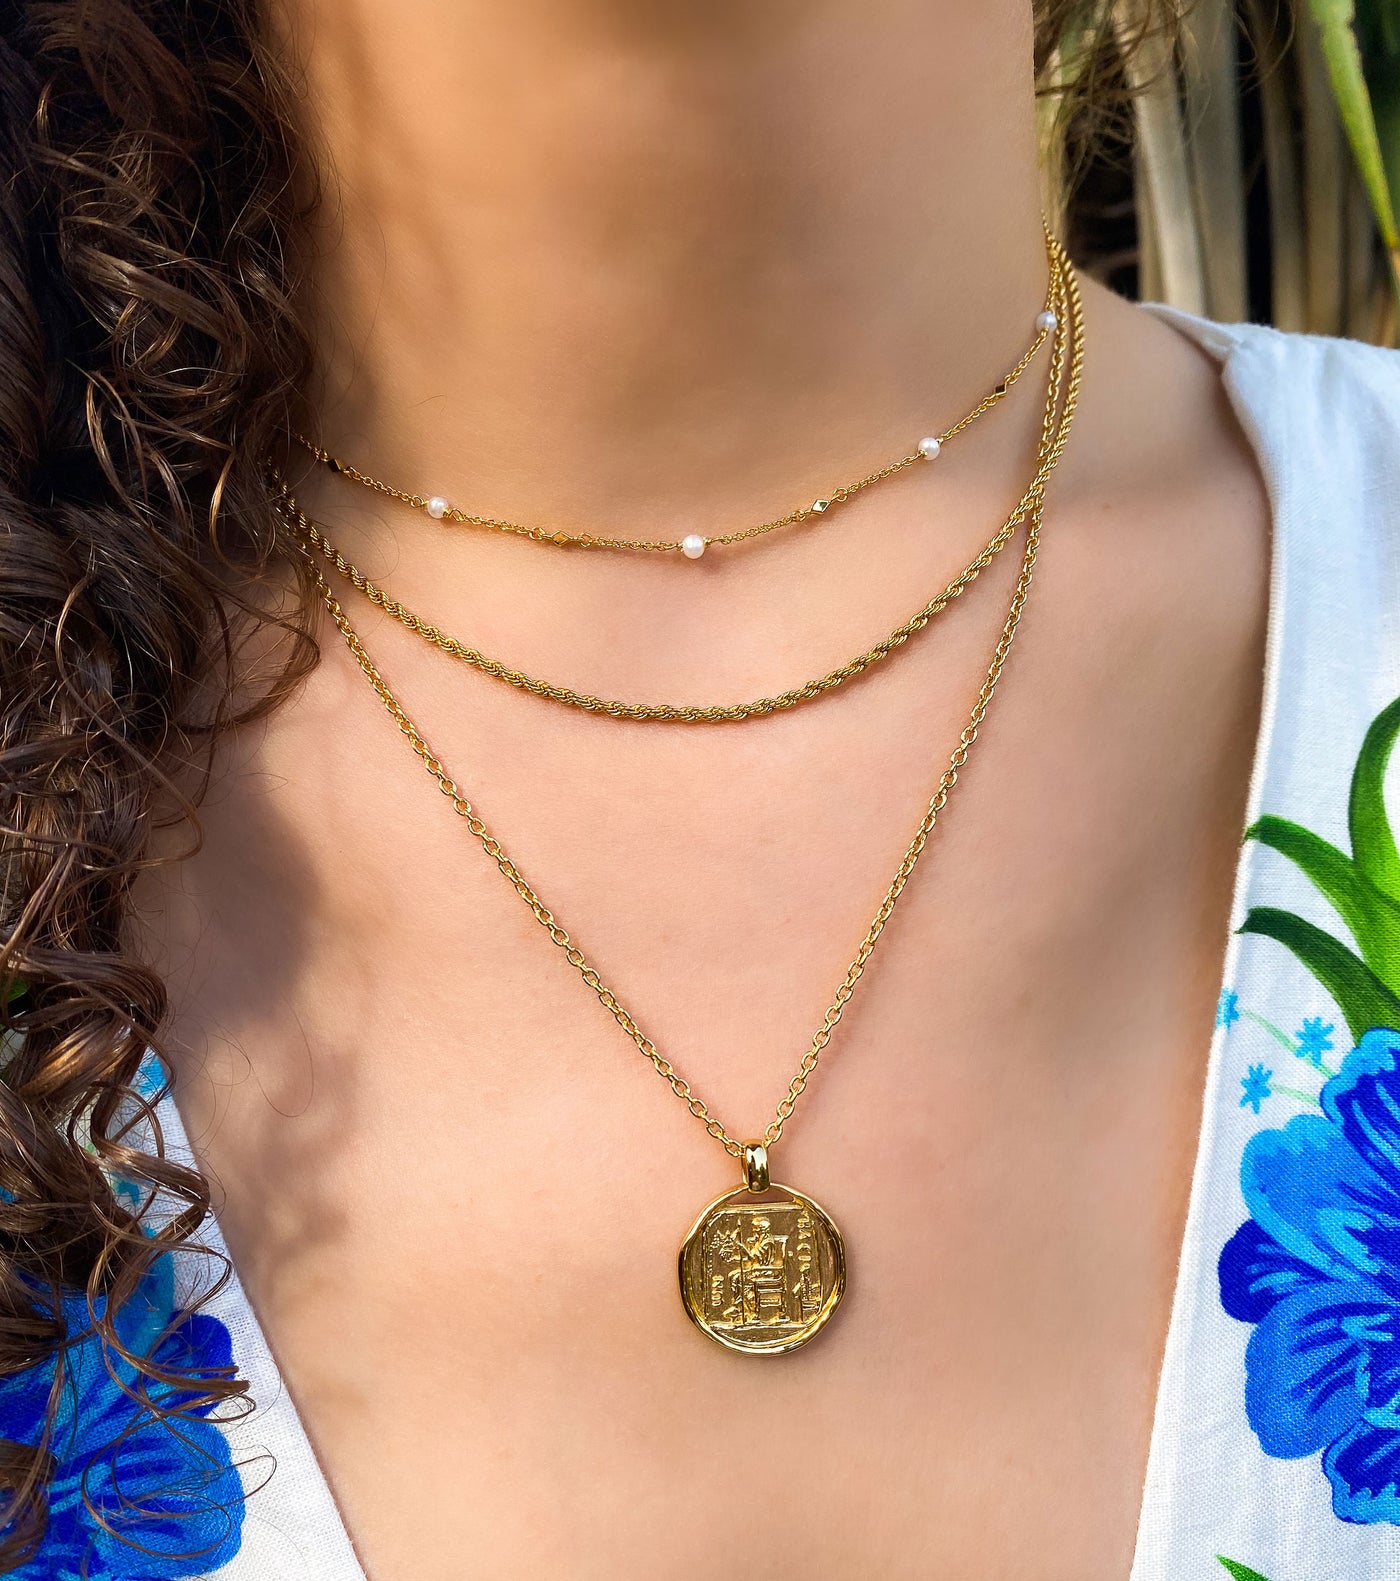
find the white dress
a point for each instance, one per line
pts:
(1275, 1448)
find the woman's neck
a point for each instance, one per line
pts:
(592, 263)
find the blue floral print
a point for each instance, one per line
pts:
(1256, 1086)
(1316, 1267)
(1227, 1012)
(1314, 1039)
(132, 1498)
(1316, 1270)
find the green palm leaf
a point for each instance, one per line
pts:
(1381, 43)
(1336, 24)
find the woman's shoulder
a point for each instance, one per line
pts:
(1356, 367)
(1321, 404)
(1322, 414)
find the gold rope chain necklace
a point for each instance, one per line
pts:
(763, 1267)
(313, 534)
(693, 545)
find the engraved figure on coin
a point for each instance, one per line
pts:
(762, 1276)
(726, 1279)
(766, 1288)
(763, 1269)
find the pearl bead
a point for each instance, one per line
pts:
(929, 448)
(692, 546)
(1047, 321)
(437, 507)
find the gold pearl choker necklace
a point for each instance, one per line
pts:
(693, 545)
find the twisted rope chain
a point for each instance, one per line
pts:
(572, 952)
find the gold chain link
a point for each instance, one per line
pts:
(671, 545)
(560, 937)
(313, 533)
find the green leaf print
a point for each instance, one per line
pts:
(1361, 996)
(1239, 1571)
(1372, 917)
(1372, 840)
(1363, 887)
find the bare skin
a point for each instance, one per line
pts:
(654, 269)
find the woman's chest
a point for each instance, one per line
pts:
(455, 1190)
(495, 1337)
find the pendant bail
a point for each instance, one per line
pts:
(756, 1166)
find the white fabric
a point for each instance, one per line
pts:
(292, 1530)
(1324, 417)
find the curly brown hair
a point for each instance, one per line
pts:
(151, 352)
(154, 191)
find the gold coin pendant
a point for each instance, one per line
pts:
(761, 1272)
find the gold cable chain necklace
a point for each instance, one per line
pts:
(693, 545)
(757, 1276)
(312, 533)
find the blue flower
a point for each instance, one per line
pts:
(130, 1496)
(1316, 1270)
(1314, 1040)
(1227, 1012)
(1256, 1087)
